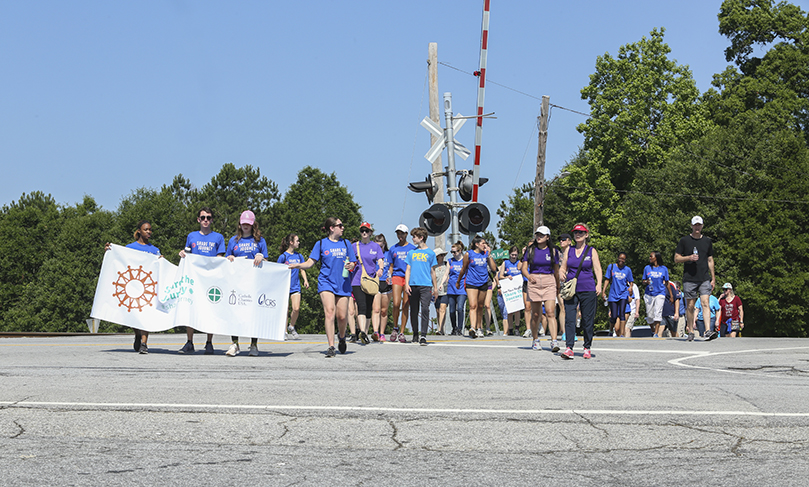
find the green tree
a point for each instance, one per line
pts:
(28, 227)
(234, 190)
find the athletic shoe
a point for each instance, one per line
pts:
(562, 338)
(341, 346)
(292, 332)
(480, 333)
(143, 349)
(402, 338)
(535, 345)
(527, 333)
(587, 353)
(136, 345)
(541, 331)
(567, 354)
(364, 338)
(422, 341)
(415, 338)
(208, 348)
(690, 337)
(394, 337)
(381, 337)
(554, 346)
(472, 333)
(375, 337)
(655, 336)
(233, 350)
(352, 338)
(712, 336)
(253, 351)
(187, 348)
(489, 333)
(330, 352)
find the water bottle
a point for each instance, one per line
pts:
(345, 271)
(696, 252)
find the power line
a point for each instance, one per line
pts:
(658, 193)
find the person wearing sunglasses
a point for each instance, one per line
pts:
(337, 259)
(581, 262)
(371, 257)
(210, 244)
(457, 294)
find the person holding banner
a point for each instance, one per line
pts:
(290, 255)
(541, 269)
(247, 244)
(476, 265)
(337, 259)
(508, 269)
(141, 243)
(208, 243)
(456, 293)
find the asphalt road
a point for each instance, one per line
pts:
(88, 410)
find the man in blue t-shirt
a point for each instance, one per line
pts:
(420, 282)
(208, 243)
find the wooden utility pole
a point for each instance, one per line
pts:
(539, 182)
(435, 114)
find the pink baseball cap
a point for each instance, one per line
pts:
(247, 217)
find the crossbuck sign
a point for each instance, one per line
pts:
(441, 138)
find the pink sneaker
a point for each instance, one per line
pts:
(381, 337)
(402, 338)
(567, 354)
(394, 336)
(587, 353)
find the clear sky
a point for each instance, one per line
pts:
(103, 97)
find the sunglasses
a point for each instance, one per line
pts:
(338, 225)
(365, 230)
(206, 217)
(578, 232)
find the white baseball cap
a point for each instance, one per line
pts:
(544, 230)
(697, 220)
(401, 228)
(727, 285)
(440, 251)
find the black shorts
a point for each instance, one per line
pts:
(482, 288)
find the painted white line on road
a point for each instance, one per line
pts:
(679, 361)
(268, 407)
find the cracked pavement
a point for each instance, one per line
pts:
(84, 410)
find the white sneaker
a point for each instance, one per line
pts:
(541, 331)
(527, 334)
(480, 333)
(291, 332)
(233, 350)
(253, 351)
(535, 345)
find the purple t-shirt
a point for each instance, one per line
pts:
(543, 262)
(586, 280)
(370, 253)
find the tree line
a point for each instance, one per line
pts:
(657, 152)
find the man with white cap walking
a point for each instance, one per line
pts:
(695, 251)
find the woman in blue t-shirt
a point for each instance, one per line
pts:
(618, 282)
(655, 278)
(141, 243)
(290, 255)
(456, 294)
(476, 265)
(337, 259)
(246, 244)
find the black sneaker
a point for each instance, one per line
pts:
(341, 346)
(415, 338)
(330, 352)
(136, 345)
(352, 338)
(187, 348)
(143, 349)
(208, 348)
(364, 338)
(422, 341)
(712, 336)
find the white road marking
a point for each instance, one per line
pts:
(277, 407)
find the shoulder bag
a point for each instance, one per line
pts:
(569, 287)
(368, 284)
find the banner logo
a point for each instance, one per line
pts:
(214, 295)
(135, 288)
(266, 302)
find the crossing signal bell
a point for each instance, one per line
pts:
(435, 219)
(474, 219)
(428, 186)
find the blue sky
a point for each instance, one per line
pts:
(101, 98)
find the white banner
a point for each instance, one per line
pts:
(210, 294)
(512, 293)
